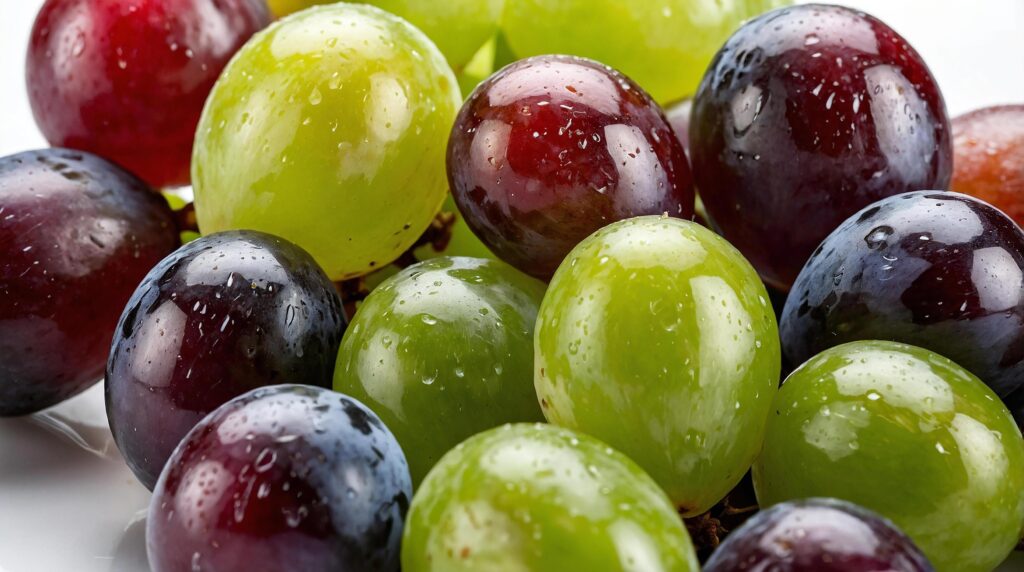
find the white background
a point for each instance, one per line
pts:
(66, 508)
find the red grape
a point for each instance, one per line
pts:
(818, 535)
(289, 477)
(806, 115)
(988, 157)
(77, 234)
(127, 79)
(552, 148)
(224, 314)
(939, 270)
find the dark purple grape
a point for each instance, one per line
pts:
(939, 270)
(223, 315)
(552, 148)
(806, 115)
(818, 535)
(77, 233)
(289, 477)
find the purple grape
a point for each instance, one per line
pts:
(224, 314)
(939, 270)
(552, 148)
(289, 477)
(818, 535)
(77, 233)
(806, 115)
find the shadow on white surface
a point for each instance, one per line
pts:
(69, 503)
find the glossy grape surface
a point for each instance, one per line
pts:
(127, 80)
(458, 27)
(664, 46)
(906, 433)
(443, 351)
(329, 129)
(942, 271)
(817, 535)
(552, 148)
(806, 115)
(77, 233)
(543, 499)
(988, 157)
(657, 337)
(289, 477)
(224, 314)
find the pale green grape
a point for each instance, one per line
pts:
(906, 433)
(458, 27)
(538, 498)
(329, 129)
(657, 337)
(664, 46)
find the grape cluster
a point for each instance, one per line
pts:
(409, 331)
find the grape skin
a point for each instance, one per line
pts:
(445, 344)
(657, 337)
(544, 499)
(289, 477)
(329, 129)
(908, 434)
(77, 233)
(224, 314)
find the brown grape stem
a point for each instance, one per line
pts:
(709, 529)
(185, 218)
(437, 236)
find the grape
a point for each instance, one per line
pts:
(127, 80)
(458, 27)
(288, 477)
(664, 46)
(224, 314)
(543, 499)
(942, 271)
(76, 235)
(656, 336)
(906, 433)
(818, 535)
(988, 153)
(445, 344)
(550, 149)
(329, 129)
(806, 115)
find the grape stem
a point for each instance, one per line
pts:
(437, 236)
(185, 218)
(709, 529)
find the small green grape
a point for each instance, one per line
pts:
(908, 434)
(443, 350)
(657, 336)
(664, 46)
(458, 27)
(329, 129)
(539, 498)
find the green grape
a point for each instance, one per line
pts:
(657, 336)
(538, 498)
(908, 434)
(664, 46)
(458, 27)
(442, 351)
(329, 129)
